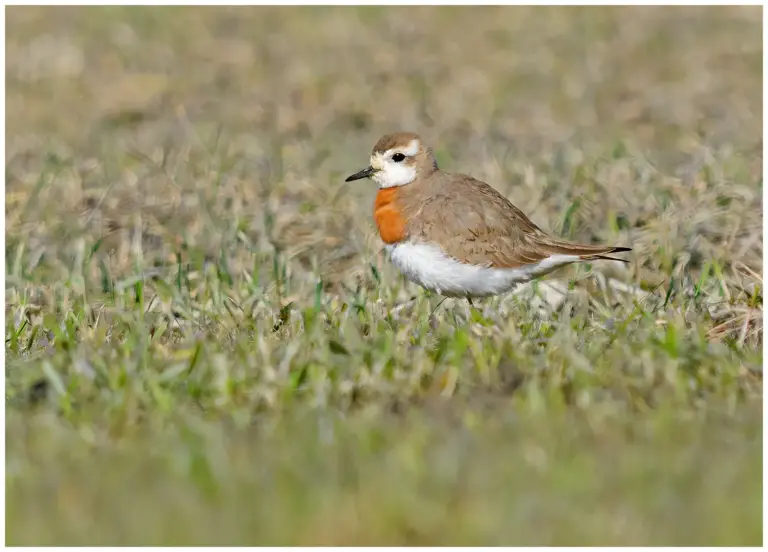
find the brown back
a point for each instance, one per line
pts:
(475, 224)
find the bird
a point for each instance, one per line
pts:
(454, 235)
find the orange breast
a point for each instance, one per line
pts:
(387, 215)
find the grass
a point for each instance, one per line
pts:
(205, 345)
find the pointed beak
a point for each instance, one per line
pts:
(365, 173)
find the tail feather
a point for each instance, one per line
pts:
(586, 252)
(605, 257)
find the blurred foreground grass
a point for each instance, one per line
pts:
(496, 476)
(205, 346)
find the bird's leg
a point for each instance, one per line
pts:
(431, 314)
(472, 309)
(437, 306)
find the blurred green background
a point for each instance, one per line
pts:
(204, 344)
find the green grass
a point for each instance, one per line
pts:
(205, 345)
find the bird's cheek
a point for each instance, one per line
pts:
(386, 177)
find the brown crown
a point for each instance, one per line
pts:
(394, 140)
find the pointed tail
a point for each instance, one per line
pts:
(586, 252)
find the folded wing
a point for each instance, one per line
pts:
(483, 228)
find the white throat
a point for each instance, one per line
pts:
(394, 174)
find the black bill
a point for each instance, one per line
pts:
(365, 173)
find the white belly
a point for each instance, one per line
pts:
(429, 267)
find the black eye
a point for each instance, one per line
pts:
(398, 157)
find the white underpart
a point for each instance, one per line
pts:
(429, 267)
(389, 173)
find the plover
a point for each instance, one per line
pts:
(455, 235)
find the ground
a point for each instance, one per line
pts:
(205, 345)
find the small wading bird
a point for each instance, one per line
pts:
(455, 235)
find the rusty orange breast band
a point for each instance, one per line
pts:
(388, 217)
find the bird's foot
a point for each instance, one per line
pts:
(404, 305)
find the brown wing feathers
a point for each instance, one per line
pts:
(477, 225)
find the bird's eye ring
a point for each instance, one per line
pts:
(398, 157)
